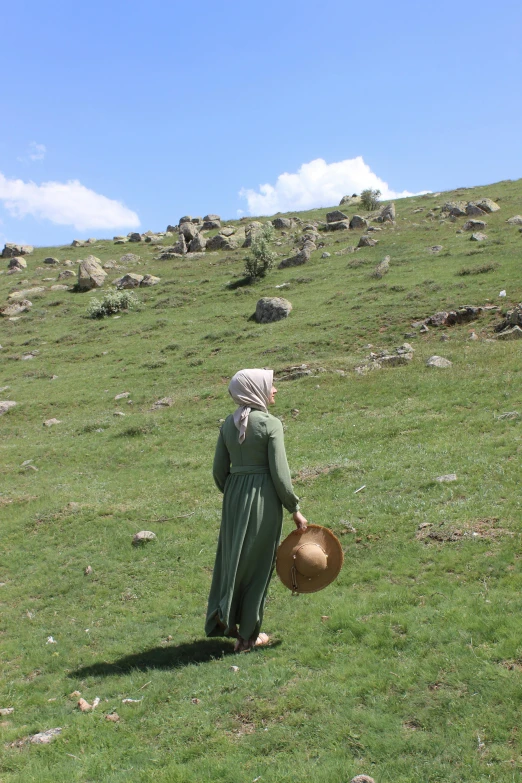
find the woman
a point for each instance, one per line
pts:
(251, 470)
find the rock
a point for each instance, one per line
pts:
(515, 221)
(460, 316)
(447, 478)
(366, 241)
(387, 213)
(487, 205)
(199, 243)
(135, 237)
(59, 287)
(382, 268)
(6, 405)
(51, 261)
(4, 711)
(474, 225)
(172, 229)
(335, 216)
(142, 537)
(16, 308)
(180, 248)
(45, 737)
(51, 422)
(272, 308)
(325, 255)
(122, 396)
(435, 248)
(438, 361)
(474, 209)
(88, 570)
(165, 402)
(113, 717)
(17, 295)
(130, 280)
(358, 222)
(478, 237)
(209, 225)
(281, 223)
(219, 242)
(250, 231)
(228, 231)
(211, 217)
(189, 231)
(510, 334)
(350, 201)
(455, 208)
(129, 258)
(91, 274)
(77, 243)
(17, 264)
(362, 779)
(149, 280)
(121, 241)
(298, 259)
(66, 273)
(11, 250)
(152, 238)
(339, 225)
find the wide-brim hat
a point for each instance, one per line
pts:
(309, 560)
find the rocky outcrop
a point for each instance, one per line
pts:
(198, 244)
(91, 274)
(349, 201)
(189, 231)
(16, 308)
(387, 214)
(135, 237)
(281, 223)
(366, 241)
(488, 205)
(11, 250)
(250, 232)
(335, 216)
(358, 222)
(272, 308)
(474, 225)
(149, 280)
(17, 264)
(219, 242)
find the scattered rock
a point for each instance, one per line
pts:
(122, 396)
(336, 216)
(455, 208)
(17, 264)
(165, 402)
(142, 537)
(234, 669)
(130, 280)
(59, 287)
(474, 210)
(199, 243)
(77, 243)
(435, 248)
(149, 280)
(51, 261)
(509, 334)
(16, 308)
(91, 274)
(366, 241)
(17, 295)
(438, 361)
(350, 201)
(65, 274)
(515, 221)
(135, 237)
(84, 705)
(189, 231)
(208, 225)
(180, 248)
(51, 422)
(339, 225)
(375, 361)
(325, 255)
(272, 308)
(358, 222)
(11, 250)
(447, 478)
(282, 223)
(220, 242)
(113, 717)
(129, 258)
(478, 237)
(4, 711)
(250, 231)
(45, 737)
(88, 570)
(474, 225)
(382, 268)
(488, 205)
(387, 214)
(362, 779)
(461, 316)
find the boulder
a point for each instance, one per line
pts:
(11, 250)
(515, 221)
(366, 241)
(474, 210)
(77, 243)
(149, 280)
(135, 237)
(121, 241)
(142, 537)
(272, 308)
(152, 238)
(185, 219)
(339, 225)
(455, 208)
(515, 333)
(382, 268)
(172, 229)
(358, 222)
(335, 216)
(91, 274)
(227, 231)
(387, 214)
(180, 248)
(209, 225)
(298, 259)
(282, 222)
(474, 225)
(17, 295)
(198, 244)
(488, 205)
(435, 248)
(6, 405)
(250, 231)
(478, 237)
(17, 264)
(219, 242)
(189, 231)
(129, 258)
(438, 361)
(51, 261)
(350, 201)
(130, 280)
(211, 217)
(16, 308)
(59, 287)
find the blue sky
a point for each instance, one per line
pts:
(123, 115)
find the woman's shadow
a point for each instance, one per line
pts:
(200, 651)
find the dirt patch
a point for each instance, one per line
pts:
(514, 665)
(483, 528)
(312, 472)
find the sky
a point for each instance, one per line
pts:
(121, 116)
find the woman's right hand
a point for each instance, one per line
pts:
(301, 522)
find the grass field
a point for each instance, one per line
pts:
(408, 668)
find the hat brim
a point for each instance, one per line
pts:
(314, 534)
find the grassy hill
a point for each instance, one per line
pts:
(408, 667)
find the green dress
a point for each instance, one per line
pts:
(255, 480)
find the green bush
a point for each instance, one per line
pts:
(261, 258)
(112, 302)
(370, 198)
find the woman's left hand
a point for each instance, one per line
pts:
(301, 522)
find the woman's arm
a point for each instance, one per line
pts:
(221, 466)
(279, 470)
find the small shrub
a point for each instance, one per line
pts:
(370, 198)
(261, 258)
(112, 302)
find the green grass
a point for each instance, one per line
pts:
(408, 668)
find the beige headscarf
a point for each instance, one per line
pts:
(249, 389)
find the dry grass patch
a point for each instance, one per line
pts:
(484, 528)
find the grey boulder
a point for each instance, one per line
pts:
(358, 222)
(335, 216)
(91, 274)
(17, 264)
(11, 250)
(438, 361)
(272, 308)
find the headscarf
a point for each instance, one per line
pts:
(249, 389)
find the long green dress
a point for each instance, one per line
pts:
(255, 480)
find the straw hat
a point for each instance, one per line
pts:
(308, 561)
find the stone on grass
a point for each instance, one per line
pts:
(228, 231)
(142, 537)
(435, 248)
(455, 208)
(272, 308)
(474, 210)
(382, 268)
(349, 201)
(51, 261)
(129, 258)
(209, 225)
(509, 334)
(91, 274)
(59, 287)
(77, 243)
(335, 216)
(447, 478)
(362, 779)
(17, 264)
(478, 237)
(515, 221)
(130, 280)
(135, 237)
(358, 222)
(211, 217)
(11, 250)
(474, 225)
(65, 274)
(180, 248)
(45, 737)
(165, 402)
(198, 244)
(325, 255)
(282, 222)
(189, 231)
(6, 405)
(122, 396)
(16, 308)
(219, 242)
(387, 213)
(488, 205)
(339, 225)
(438, 361)
(366, 241)
(298, 259)
(149, 280)
(51, 422)
(4, 711)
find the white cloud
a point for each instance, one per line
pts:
(34, 152)
(316, 184)
(66, 204)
